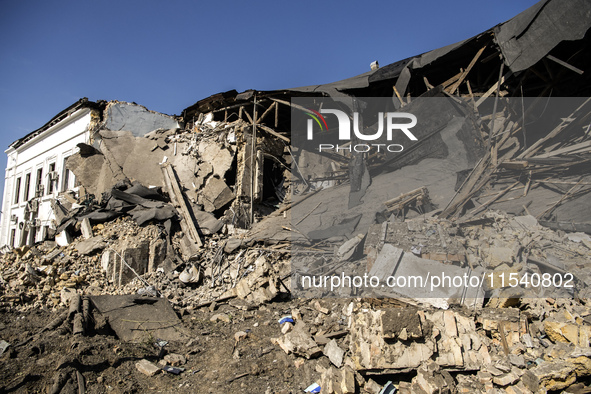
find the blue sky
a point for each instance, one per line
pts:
(168, 55)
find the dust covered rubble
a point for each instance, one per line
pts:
(361, 345)
(134, 239)
(516, 342)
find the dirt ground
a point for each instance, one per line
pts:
(215, 361)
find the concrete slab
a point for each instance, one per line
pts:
(91, 245)
(135, 318)
(217, 194)
(428, 281)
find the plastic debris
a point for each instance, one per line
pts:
(417, 250)
(286, 319)
(173, 370)
(388, 388)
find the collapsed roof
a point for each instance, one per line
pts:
(225, 171)
(523, 44)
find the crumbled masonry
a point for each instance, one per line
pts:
(173, 267)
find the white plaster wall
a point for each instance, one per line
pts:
(52, 146)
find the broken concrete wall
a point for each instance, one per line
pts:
(132, 156)
(91, 170)
(137, 119)
(125, 157)
(407, 338)
(136, 254)
(251, 179)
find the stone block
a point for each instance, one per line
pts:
(495, 256)
(91, 245)
(147, 368)
(86, 228)
(334, 353)
(505, 379)
(217, 194)
(566, 332)
(401, 324)
(300, 342)
(175, 359)
(348, 381)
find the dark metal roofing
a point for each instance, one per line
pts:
(531, 35)
(523, 41)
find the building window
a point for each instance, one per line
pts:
(17, 191)
(65, 185)
(12, 236)
(27, 186)
(69, 179)
(39, 183)
(51, 178)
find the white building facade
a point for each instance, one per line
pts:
(36, 173)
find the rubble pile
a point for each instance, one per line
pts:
(200, 252)
(38, 276)
(517, 342)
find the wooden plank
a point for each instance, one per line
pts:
(577, 148)
(492, 200)
(456, 85)
(273, 132)
(276, 116)
(562, 182)
(451, 80)
(565, 64)
(493, 88)
(557, 203)
(176, 196)
(271, 107)
(462, 185)
(308, 214)
(398, 95)
(469, 187)
(290, 104)
(400, 202)
(293, 204)
(490, 57)
(493, 144)
(471, 96)
(254, 168)
(247, 115)
(514, 164)
(563, 125)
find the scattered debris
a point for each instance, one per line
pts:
(197, 234)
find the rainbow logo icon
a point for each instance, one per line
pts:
(317, 117)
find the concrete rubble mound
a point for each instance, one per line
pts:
(178, 262)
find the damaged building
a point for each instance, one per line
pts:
(36, 173)
(220, 213)
(38, 183)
